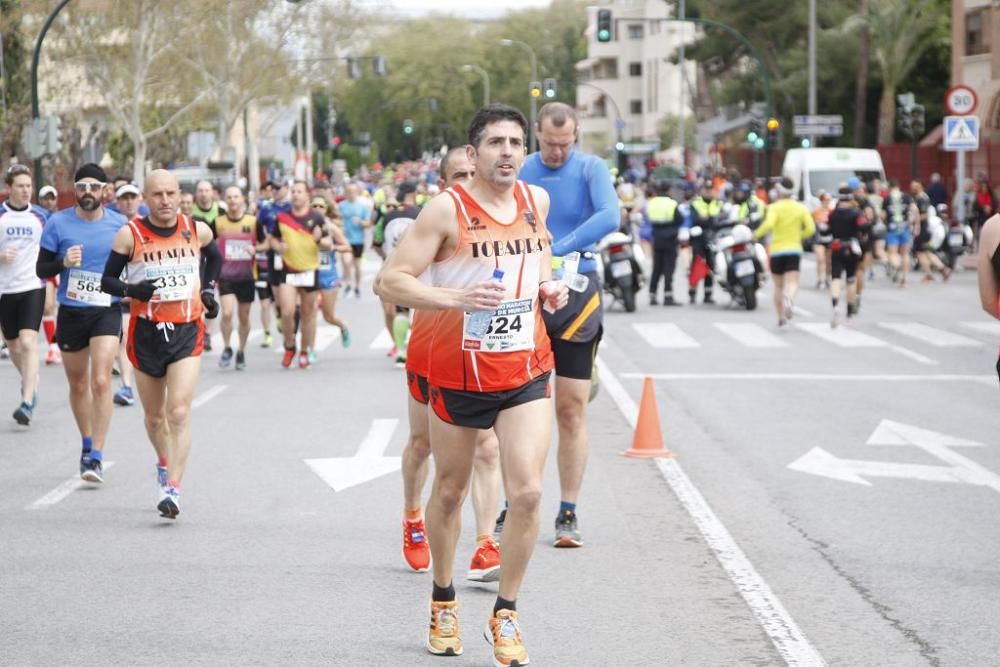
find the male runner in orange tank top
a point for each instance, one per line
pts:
(172, 265)
(484, 372)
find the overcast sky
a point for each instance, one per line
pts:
(467, 8)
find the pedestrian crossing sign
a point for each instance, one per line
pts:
(961, 133)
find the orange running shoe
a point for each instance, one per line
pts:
(416, 551)
(286, 361)
(442, 638)
(504, 635)
(485, 562)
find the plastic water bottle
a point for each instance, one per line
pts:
(479, 321)
(574, 280)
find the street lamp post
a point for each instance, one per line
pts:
(36, 56)
(534, 77)
(486, 80)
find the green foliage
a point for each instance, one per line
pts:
(424, 62)
(669, 127)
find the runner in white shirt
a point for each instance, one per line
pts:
(22, 293)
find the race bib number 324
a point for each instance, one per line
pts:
(511, 329)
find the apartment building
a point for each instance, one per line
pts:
(628, 85)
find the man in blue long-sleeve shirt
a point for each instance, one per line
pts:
(584, 209)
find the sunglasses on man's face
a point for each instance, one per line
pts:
(84, 186)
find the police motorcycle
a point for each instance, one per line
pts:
(950, 238)
(737, 260)
(619, 256)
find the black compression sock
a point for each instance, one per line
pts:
(504, 604)
(443, 594)
(835, 301)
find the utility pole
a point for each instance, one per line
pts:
(681, 10)
(812, 65)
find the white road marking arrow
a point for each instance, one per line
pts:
(818, 461)
(368, 464)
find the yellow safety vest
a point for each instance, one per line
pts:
(660, 210)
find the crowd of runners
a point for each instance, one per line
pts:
(128, 281)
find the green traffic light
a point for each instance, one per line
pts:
(619, 146)
(806, 143)
(759, 143)
(604, 36)
(752, 137)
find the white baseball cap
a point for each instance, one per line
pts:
(127, 189)
(46, 191)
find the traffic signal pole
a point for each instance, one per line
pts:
(35, 106)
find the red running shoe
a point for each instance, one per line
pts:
(286, 361)
(416, 551)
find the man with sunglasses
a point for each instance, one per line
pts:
(75, 246)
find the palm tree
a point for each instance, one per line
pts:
(900, 30)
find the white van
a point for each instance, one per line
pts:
(816, 169)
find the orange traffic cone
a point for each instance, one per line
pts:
(648, 440)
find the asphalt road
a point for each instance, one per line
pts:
(857, 554)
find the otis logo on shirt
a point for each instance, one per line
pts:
(503, 248)
(19, 231)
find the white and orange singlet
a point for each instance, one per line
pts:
(171, 258)
(515, 349)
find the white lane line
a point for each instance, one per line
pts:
(750, 335)
(325, 336)
(915, 356)
(208, 395)
(60, 492)
(664, 335)
(992, 328)
(782, 629)
(383, 341)
(930, 335)
(802, 311)
(841, 336)
(814, 377)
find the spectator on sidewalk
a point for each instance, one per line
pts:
(937, 191)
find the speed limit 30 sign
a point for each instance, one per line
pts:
(960, 100)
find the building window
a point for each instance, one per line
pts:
(635, 31)
(977, 38)
(635, 69)
(635, 107)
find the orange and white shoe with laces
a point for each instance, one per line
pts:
(416, 551)
(485, 564)
(504, 635)
(442, 638)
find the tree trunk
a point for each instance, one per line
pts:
(887, 114)
(861, 83)
(139, 161)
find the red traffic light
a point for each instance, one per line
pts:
(334, 141)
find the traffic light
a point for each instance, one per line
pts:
(407, 127)
(917, 119)
(535, 89)
(805, 143)
(773, 126)
(549, 86)
(353, 69)
(754, 131)
(334, 141)
(379, 66)
(903, 120)
(604, 25)
(53, 140)
(620, 146)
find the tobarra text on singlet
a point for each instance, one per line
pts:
(514, 349)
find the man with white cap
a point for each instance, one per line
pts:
(48, 200)
(47, 197)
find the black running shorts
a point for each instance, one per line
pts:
(575, 360)
(479, 409)
(75, 326)
(782, 264)
(153, 346)
(243, 289)
(844, 263)
(21, 310)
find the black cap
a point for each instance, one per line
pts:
(91, 170)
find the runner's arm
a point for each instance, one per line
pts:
(603, 221)
(766, 226)
(989, 291)
(211, 258)
(397, 281)
(111, 281)
(808, 224)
